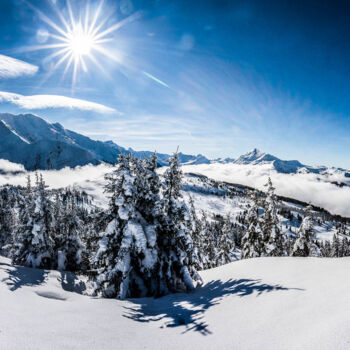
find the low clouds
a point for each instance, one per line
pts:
(52, 101)
(89, 178)
(312, 188)
(305, 187)
(13, 68)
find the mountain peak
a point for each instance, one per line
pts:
(255, 156)
(254, 151)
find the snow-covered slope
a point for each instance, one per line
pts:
(264, 303)
(37, 144)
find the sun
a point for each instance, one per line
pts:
(80, 43)
(77, 39)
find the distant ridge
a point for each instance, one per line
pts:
(37, 144)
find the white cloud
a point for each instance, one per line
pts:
(52, 101)
(8, 166)
(305, 187)
(89, 178)
(13, 68)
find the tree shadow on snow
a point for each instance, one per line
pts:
(188, 309)
(19, 276)
(71, 283)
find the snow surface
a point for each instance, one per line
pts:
(263, 303)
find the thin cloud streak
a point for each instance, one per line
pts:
(53, 101)
(13, 68)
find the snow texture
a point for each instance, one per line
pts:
(264, 303)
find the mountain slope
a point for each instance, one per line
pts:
(305, 301)
(37, 144)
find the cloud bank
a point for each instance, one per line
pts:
(52, 101)
(305, 187)
(13, 68)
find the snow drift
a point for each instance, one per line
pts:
(264, 303)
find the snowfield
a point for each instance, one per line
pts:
(264, 303)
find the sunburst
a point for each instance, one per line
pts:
(76, 40)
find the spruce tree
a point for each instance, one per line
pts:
(225, 243)
(68, 245)
(127, 251)
(176, 252)
(273, 237)
(32, 245)
(336, 247)
(7, 218)
(252, 241)
(304, 244)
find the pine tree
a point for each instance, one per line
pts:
(33, 245)
(68, 245)
(336, 247)
(127, 252)
(273, 237)
(7, 218)
(196, 228)
(326, 249)
(208, 251)
(176, 253)
(252, 241)
(225, 243)
(304, 244)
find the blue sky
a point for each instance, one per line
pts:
(214, 77)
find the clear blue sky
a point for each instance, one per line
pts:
(214, 77)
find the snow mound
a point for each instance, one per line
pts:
(264, 303)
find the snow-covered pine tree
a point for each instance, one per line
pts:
(345, 247)
(127, 253)
(304, 244)
(207, 248)
(7, 218)
(32, 245)
(225, 243)
(195, 227)
(176, 256)
(68, 245)
(273, 237)
(326, 249)
(252, 240)
(336, 247)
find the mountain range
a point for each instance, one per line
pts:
(37, 144)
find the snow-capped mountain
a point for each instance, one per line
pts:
(37, 144)
(256, 157)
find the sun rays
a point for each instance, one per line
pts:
(77, 38)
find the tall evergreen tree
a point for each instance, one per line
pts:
(273, 237)
(176, 257)
(304, 244)
(252, 241)
(127, 252)
(225, 243)
(33, 245)
(7, 218)
(68, 245)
